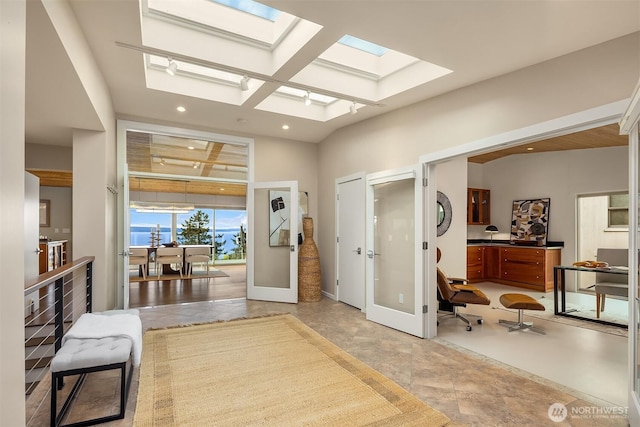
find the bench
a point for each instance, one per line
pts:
(96, 342)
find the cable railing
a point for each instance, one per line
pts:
(55, 300)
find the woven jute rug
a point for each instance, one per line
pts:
(271, 371)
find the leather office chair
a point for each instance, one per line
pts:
(139, 257)
(454, 293)
(197, 255)
(169, 256)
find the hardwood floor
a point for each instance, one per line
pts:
(155, 293)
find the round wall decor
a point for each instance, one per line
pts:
(444, 213)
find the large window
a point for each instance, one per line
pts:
(618, 210)
(225, 228)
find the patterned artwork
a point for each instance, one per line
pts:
(530, 221)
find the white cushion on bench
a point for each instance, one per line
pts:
(87, 353)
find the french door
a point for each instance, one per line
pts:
(272, 241)
(394, 291)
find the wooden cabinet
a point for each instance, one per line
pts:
(491, 262)
(475, 263)
(52, 255)
(478, 206)
(528, 267)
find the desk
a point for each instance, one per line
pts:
(559, 289)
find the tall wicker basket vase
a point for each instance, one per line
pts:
(309, 278)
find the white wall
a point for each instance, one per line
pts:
(576, 82)
(452, 181)
(561, 176)
(12, 122)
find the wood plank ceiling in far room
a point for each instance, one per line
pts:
(600, 137)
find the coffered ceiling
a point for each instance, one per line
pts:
(474, 39)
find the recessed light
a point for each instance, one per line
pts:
(529, 148)
(285, 127)
(191, 148)
(181, 109)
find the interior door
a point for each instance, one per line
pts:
(31, 240)
(272, 241)
(126, 238)
(634, 280)
(394, 291)
(350, 208)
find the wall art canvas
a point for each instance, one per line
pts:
(530, 221)
(279, 221)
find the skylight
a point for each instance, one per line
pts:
(252, 7)
(362, 45)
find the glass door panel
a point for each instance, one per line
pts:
(272, 242)
(394, 288)
(394, 245)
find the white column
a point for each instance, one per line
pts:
(94, 210)
(12, 122)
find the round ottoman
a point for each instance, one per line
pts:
(520, 302)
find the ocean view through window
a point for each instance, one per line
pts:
(225, 226)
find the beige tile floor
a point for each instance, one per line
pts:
(472, 389)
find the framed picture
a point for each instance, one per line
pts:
(530, 221)
(279, 221)
(45, 213)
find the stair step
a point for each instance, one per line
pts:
(37, 363)
(36, 341)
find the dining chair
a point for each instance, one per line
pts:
(169, 256)
(139, 257)
(200, 254)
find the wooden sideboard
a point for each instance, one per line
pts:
(524, 267)
(52, 255)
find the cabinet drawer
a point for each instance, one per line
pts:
(522, 255)
(475, 273)
(526, 273)
(475, 256)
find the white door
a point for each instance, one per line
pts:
(31, 226)
(350, 210)
(272, 241)
(394, 291)
(126, 238)
(634, 281)
(31, 240)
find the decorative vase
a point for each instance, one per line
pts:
(309, 277)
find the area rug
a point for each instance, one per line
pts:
(197, 275)
(270, 371)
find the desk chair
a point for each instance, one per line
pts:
(169, 256)
(611, 284)
(139, 257)
(197, 255)
(454, 293)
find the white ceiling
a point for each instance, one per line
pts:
(477, 39)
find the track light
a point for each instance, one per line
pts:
(172, 67)
(161, 162)
(352, 108)
(307, 99)
(195, 165)
(244, 83)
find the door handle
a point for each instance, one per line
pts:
(370, 254)
(358, 251)
(39, 251)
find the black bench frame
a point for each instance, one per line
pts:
(57, 381)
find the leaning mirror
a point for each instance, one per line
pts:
(444, 213)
